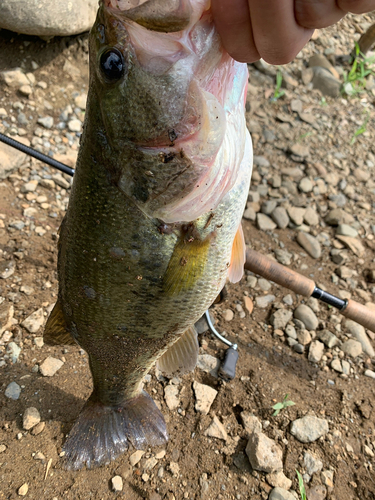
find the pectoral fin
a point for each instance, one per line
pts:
(238, 257)
(55, 331)
(182, 356)
(186, 266)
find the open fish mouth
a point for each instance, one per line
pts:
(200, 130)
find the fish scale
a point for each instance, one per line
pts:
(131, 286)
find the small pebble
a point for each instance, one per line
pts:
(13, 391)
(370, 374)
(31, 417)
(50, 366)
(228, 315)
(117, 483)
(22, 490)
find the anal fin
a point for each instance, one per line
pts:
(55, 331)
(182, 356)
(238, 258)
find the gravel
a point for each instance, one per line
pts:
(281, 494)
(352, 348)
(360, 334)
(280, 318)
(312, 463)
(50, 366)
(117, 483)
(264, 454)
(216, 430)
(205, 396)
(308, 429)
(310, 244)
(35, 321)
(316, 351)
(31, 418)
(305, 314)
(265, 223)
(13, 391)
(171, 396)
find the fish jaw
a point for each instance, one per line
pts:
(176, 119)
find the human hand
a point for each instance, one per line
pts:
(276, 30)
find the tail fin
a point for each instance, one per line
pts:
(102, 433)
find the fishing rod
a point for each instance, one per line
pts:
(301, 285)
(256, 263)
(36, 154)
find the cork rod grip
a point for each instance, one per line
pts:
(267, 268)
(361, 314)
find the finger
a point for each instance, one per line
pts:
(232, 20)
(277, 35)
(317, 13)
(356, 6)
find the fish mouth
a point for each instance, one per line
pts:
(165, 16)
(124, 4)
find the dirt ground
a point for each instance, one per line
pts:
(268, 367)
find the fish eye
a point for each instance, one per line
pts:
(112, 64)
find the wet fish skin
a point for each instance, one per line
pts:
(130, 284)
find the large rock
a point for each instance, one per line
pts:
(264, 454)
(280, 318)
(6, 316)
(319, 60)
(47, 17)
(265, 223)
(50, 366)
(305, 314)
(205, 396)
(309, 428)
(324, 81)
(360, 334)
(316, 351)
(14, 78)
(171, 396)
(281, 494)
(216, 429)
(33, 322)
(31, 418)
(310, 244)
(251, 423)
(352, 348)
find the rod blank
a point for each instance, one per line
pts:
(36, 154)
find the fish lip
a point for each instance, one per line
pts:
(163, 16)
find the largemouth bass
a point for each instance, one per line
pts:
(153, 227)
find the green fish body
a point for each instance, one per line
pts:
(160, 186)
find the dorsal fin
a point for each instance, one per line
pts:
(182, 356)
(55, 331)
(238, 257)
